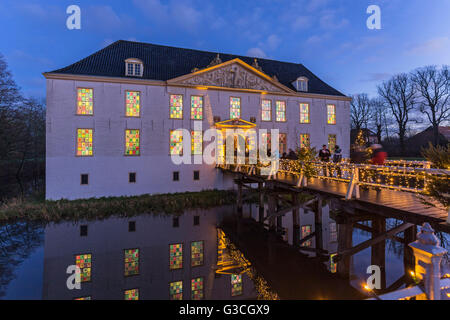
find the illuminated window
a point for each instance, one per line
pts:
(84, 262)
(84, 298)
(176, 142)
(131, 262)
(268, 138)
(176, 106)
(304, 113)
(333, 232)
(132, 294)
(331, 114)
(197, 288)
(197, 142)
(283, 143)
(235, 108)
(196, 253)
(132, 142)
(236, 285)
(306, 231)
(266, 110)
(176, 290)
(305, 140)
(280, 111)
(176, 256)
(85, 101)
(331, 142)
(196, 108)
(84, 142)
(132, 103)
(333, 265)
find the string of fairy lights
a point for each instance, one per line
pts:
(398, 175)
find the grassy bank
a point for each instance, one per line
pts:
(92, 209)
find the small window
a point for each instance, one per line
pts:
(196, 253)
(176, 290)
(197, 288)
(266, 110)
(332, 142)
(176, 222)
(85, 101)
(84, 179)
(84, 262)
(331, 114)
(196, 142)
(176, 142)
(304, 113)
(176, 176)
(132, 103)
(176, 106)
(131, 226)
(83, 230)
(176, 256)
(280, 110)
(132, 142)
(196, 175)
(196, 107)
(85, 142)
(132, 177)
(131, 260)
(196, 220)
(235, 108)
(301, 84)
(283, 143)
(134, 67)
(305, 141)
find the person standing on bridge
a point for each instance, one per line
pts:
(337, 157)
(324, 155)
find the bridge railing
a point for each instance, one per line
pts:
(395, 177)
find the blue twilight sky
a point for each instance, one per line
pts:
(329, 37)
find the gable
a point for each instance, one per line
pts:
(231, 74)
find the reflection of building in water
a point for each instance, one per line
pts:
(144, 257)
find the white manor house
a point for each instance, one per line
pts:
(114, 117)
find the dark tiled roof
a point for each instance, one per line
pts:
(164, 63)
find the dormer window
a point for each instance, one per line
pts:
(301, 84)
(134, 67)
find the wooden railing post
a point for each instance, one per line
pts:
(353, 186)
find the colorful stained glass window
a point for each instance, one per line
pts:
(132, 294)
(84, 142)
(235, 108)
(304, 113)
(85, 101)
(176, 106)
(176, 256)
(268, 138)
(176, 142)
(333, 265)
(197, 288)
(304, 140)
(281, 111)
(131, 262)
(283, 143)
(176, 290)
(331, 114)
(306, 231)
(266, 110)
(133, 103)
(196, 253)
(132, 142)
(236, 285)
(196, 108)
(84, 262)
(197, 142)
(333, 232)
(331, 142)
(84, 298)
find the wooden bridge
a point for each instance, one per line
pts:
(355, 193)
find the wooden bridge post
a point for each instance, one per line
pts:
(378, 250)
(408, 254)
(295, 221)
(318, 224)
(271, 204)
(345, 241)
(261, 202)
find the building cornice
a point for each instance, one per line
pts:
(125, 80)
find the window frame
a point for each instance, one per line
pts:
(92, 263)
(125, 144)
(334, 113)
(182, 256)
(309, 112)
(182, 289)
(203, 250)
(125, 103)
(81, 179)
(192, 137)
(139, 262)
(309, 139)
(182, 106)
(76, 143)
(262, 111)
(182, 142)
(76, 102)
(203, 106)
(285, 111)
(240, 107)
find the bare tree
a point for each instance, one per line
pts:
(359, 111)
(433, 87)
(399, 95)
(378, 119)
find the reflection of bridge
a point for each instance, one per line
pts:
(355, 193)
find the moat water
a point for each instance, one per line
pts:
(200, 254)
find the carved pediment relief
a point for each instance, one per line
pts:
(236, 74)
